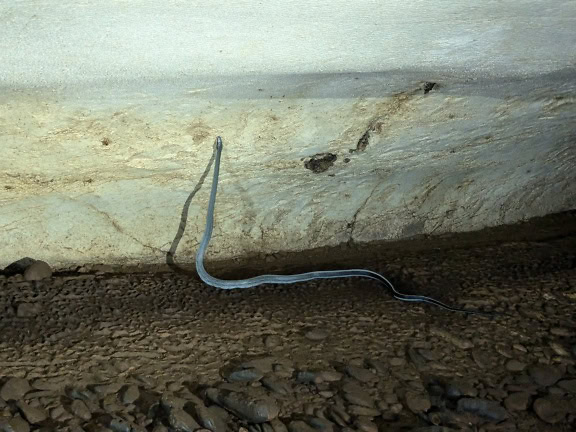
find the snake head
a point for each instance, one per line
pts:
(219, 143)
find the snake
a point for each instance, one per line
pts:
(228, 284)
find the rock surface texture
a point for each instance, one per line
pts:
(455, 120)
(162, 352)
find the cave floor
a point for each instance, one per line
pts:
(134, 351)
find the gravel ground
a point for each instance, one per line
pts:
(159, 351)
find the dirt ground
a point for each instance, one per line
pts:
(107, 348)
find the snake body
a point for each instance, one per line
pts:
(293, 278)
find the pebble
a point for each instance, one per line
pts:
(210, 418)
(361, 374)
(16, 424)
(32, 414)
(482, 359)
(418, 402)
(365, 425)
(358, 410)
(299, 426)
(330, 376)
(14, 389)
(308, 377)
(544, 375)
(28, 310)
(458, 389)
(339, 415)
(37, 271)
(130, 395)
(457, 341)
(321, 424)
(79, 409)
(397, 361)
(359, 398)
(515, 365)
(517, 401)
(562, 331)
(120, 425)
(254, 410)
(278, 425)
(182, 421)
(559, 349)
(490, 410)
(272, 341)
(106, 389)
(568, 385)
(549, 410)
(277, 385)
(245, 375)
(316, 335)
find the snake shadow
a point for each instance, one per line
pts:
(171, 254)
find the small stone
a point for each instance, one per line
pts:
(544, 375)
(32, 414)
(559, 349)
(520, 347)
(460, 388)
(316, 335)
(549, 410)
(321, 424)
(357, 410)
(361, 374)
(397, 361)
(106, 389)
(120, 425)
(245, 375)
(299, 426)
(562, 331)
(14, 389)
(418, 402)
(308, 377)
(54, 384)
(482, 359)
(79, 409)
(278, 425)
(416, 358)
(251, 409)
(568, 385)
(16, 424)
(365, 425)
(339, 415)
(330, 376)
(490, 410)
(272, 341)
(517, 401)
(515, 365)
(453, 339)
(210, 417)
(276, 385)
(182, 421)
(27, 310)
(130, 395)
(37, 271)
(359, 398)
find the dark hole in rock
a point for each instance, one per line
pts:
(363, 141)
(320, 162)
(428, 86)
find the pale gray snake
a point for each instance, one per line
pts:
(294, 278)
